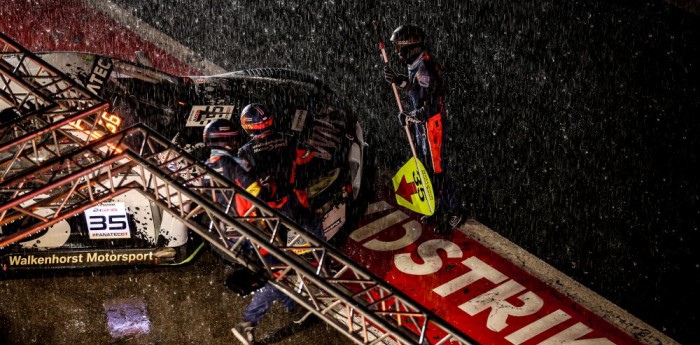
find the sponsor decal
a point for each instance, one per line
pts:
(299, 120)
(326, 135)
(270, 145)
(107, 221)
(333, 220)
(81, 259)
(201, 115)
(471, 287)
(332, 226)
(101, 70)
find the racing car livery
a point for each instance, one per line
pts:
(130, 229)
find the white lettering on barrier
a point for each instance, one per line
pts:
(478, 270)
(538, 327)
(378, 226)
(427, 251)
(493, 301)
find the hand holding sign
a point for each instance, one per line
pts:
(424, 203)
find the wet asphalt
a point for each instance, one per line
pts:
(175, 305)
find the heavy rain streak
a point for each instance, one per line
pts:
(573, 126)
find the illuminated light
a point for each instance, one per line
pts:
(116, 149)
(126, 317)
(109, 121)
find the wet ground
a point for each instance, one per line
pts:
(184, 305)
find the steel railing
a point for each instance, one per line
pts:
(58, 158)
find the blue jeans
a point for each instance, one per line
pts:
(303, 216)
(266, 295)
(262, 302)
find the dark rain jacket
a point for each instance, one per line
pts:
(274, 157)
(238, 171)
(426, 92)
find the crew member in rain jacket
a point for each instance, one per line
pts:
(221, 136)
(426, 90)
(274, 157)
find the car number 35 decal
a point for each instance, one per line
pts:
(107, 221)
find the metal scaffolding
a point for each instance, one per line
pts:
(59, 157)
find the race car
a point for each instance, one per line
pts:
(131, 230)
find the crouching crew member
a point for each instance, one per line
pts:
(274, 157)
(221, 137)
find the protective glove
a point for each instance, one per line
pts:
(406, 117)
(392, 77)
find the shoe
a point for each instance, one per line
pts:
(447, 223)
(428, 220)
(300, 314)
(455, 220)
(245, 332)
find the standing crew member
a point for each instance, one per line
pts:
(274, 157)
(426, 91)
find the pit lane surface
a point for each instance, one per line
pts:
(183, 305)
(649, 285)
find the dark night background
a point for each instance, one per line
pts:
(574, 129)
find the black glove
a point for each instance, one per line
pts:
(406, 117)
(389, 73)
(392, 77)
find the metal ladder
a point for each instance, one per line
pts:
(59, 158)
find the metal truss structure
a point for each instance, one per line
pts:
(59, 157)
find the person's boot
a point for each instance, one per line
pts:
(429, 220)
(300, 314)
(447, 222)
(245, 332)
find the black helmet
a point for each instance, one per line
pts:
(221, 133)
(408, 42)
(256, 119)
